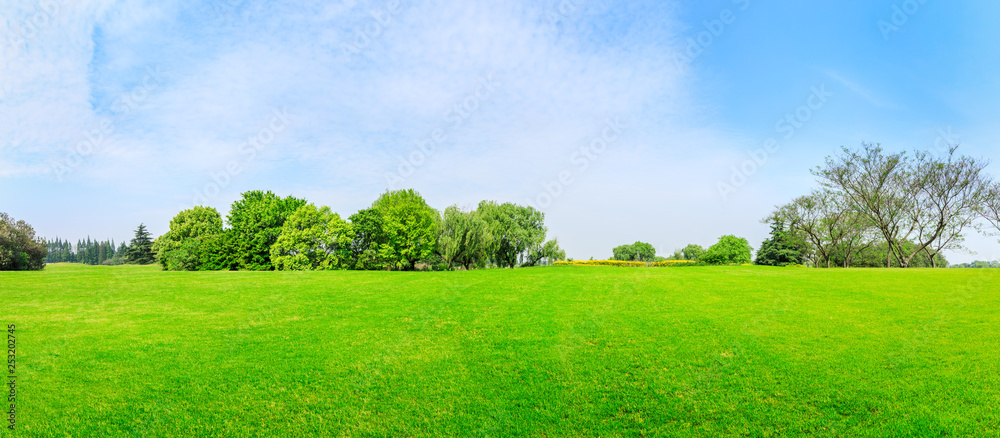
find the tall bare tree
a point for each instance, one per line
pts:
(826, 223)
(926, 198)
(991, 205)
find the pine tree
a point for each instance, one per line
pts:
(140, 250)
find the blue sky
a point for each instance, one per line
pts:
(622, 122)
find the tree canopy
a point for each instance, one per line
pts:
(256, 220)
(20, 249)
(180, 248)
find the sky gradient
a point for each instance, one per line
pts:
(660, 121)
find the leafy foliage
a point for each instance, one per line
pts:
(730, 250)
(408, 228)
(517, 231)
(20, 249)
(178, 249)
(638, 251)
(463, 238)
(313, 238)
(256, 222)
(693, 252)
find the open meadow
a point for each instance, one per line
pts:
(553, 351)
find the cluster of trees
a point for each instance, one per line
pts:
(398, 232)
(729, 250)
(20, 249)
(978, 264)
(93, 252)
(875, 208)
(89, 252)
(636, 252)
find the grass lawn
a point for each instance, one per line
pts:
(559, 351)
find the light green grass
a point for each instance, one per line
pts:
(562, 351)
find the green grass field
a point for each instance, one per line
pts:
(561, 351)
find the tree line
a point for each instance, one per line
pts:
(875, 208)
(88, 252)
(729, 250)
(399, 231)
(93, 252)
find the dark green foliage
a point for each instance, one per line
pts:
(781, 249)
(369, 240)
(256, 222)
(20, 249)
(218, 252)
(140, 249)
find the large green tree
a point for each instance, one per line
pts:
(20, 248)
(463, 238)
(313, 238)
(256, 220)
(408, 228)
(729, 250)
(178, 249)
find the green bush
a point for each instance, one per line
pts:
(730, 250)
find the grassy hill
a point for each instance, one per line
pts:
(559, 351)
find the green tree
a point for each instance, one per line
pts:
(408, 228)
(369, 246)
(638, 251)
(549, 251)
(781, 249)
(730, 250)
(256, 220)
(218, 252)
(178, 248)
(516, 230)
(693, 252)
(313, 238)
(20, 248)
(463, 238)
(140, 249)
(623, 252)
